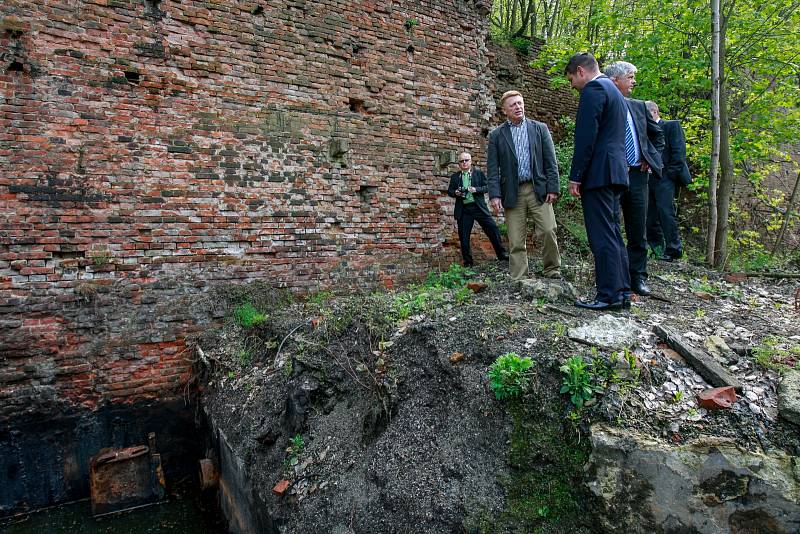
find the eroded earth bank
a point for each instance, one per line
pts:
(373, 412)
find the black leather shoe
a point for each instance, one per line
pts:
(640, 288)
(599, 305)
(626, 303)
(502, 257)
(666, 258)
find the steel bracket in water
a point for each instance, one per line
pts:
(122, 479)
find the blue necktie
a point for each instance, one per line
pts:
(630, 148)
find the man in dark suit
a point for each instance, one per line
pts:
(644, 142)
(599, 177)
(468, 187)
(523, 181)
(662, 226)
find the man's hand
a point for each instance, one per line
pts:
(497, 205)
(551, 197)
(645, 167)
(575, 189)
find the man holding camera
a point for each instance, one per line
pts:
(468, 187)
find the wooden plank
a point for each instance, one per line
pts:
(707, 366)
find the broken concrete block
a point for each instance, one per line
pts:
(550, 290)
(607, 332)
(717, 398)
(789, 396)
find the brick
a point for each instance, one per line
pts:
(310, 166)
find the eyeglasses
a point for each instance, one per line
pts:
(464, 160)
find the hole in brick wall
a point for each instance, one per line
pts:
(357, 105)
(357, 48)
(484, 132)
(152, 9)
(15, 66)
(132, 77)
(367, 192)
(67, 254)
(410, 52)
(13, 33)
(258, 10)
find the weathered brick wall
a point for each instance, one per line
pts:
(543, 101)
(152, 149)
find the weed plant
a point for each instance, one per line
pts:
(508, 375)
(246, 315)
(577, 381)
(294, 450)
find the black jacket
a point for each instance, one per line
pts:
(478, 181)
(674, 154)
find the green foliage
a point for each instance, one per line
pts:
(410, 24)
(508, 375)
(463, 295)
(577, 381)
(454, 277)
(777, 353)
(521, 45)
(433, 292)
(670, 43)
(244, 357)
(319, 298)
(544, 493)
(101, 257)
(294, 450)
(246, 315)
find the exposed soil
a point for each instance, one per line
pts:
(402, 433)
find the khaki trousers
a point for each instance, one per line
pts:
(544, 221)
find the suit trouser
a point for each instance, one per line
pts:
(634, 210)
(544, 221)
(662, 226)
(601, 217)
(469, 214)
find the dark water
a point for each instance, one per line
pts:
(184, 515)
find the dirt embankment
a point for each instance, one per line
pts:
(377, 410)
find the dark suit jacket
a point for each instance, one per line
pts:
(599, 157)
(503, 166)
(649, 134)
(674, 153)
(478, 181)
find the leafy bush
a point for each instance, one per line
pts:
(521, 45)
(454, 277)
(246, 315)
(577, 381)
(508, 375)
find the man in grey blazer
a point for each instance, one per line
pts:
(523, 181)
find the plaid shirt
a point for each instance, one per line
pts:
(519, 133)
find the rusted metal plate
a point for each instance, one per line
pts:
(121, 479)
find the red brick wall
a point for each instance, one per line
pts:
(150, 150)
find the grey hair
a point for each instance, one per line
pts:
(652, 107)
(619, 69)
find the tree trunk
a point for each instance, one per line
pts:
(711, 236)
(788, 216)
(727, 179)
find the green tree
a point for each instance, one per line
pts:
(671, 44)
